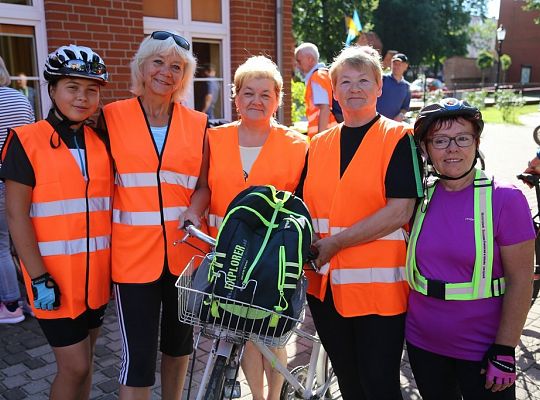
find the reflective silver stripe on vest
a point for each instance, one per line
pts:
(149, 179)
(398, 234)
(147, 218)
(321, 225)
(214, 220)
(368, 275)
(76, 246)
(71, 206)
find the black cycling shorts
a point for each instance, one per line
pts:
(61, 332)
(138, 307)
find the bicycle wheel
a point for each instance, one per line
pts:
(536, 135)
(214, 390)
(287, 391)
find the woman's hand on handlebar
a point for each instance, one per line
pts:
(189, 216)
(327, 248)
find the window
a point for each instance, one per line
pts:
(206, 11)
(20, 2)
(525, 74)
(208, 84)
(18, 49)
(160, 9)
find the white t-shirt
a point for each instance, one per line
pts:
(248, 155)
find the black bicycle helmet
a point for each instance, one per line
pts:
(76, 61)
(448, 107)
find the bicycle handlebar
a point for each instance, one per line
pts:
(192, 231)
(531, 179)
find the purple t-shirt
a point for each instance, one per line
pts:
(462, 329)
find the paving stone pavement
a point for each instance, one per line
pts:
(27, 364)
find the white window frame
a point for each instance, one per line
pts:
(200, 30)
(34, 16)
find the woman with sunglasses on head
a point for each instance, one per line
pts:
(59, 183)
(255, 150)
(158, 149)
(469, 265)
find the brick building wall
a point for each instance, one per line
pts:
(522, 39)
(113, 28)
(253, 32)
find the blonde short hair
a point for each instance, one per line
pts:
(5, 80)
(360, 58)
(258, 67)
(150, 48)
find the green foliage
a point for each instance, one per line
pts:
(507, 101)
(531, 5)
(485, 61)
(506, 61)
(476, 98)
(322, 22)
(428, 31)
(297, 96)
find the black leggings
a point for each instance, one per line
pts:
(445, 378)
(365, 351)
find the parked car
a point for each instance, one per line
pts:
(417, 86)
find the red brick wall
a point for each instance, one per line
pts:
(522, 39)
(253, 32)
(113, 28)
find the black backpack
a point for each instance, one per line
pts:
(261, 248)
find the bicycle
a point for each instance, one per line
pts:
(229, 335)
(536, 135)
(534, 181)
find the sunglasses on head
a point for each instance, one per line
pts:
(179, 40)
(83, 66)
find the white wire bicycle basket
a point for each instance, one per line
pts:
(225, 318)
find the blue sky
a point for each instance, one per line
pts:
(493, 8)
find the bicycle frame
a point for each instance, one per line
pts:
(229, 340)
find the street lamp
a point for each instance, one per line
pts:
(501, 35)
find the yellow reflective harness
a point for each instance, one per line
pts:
(482, 285)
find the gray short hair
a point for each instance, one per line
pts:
(358, 57)
(151, 47)
(308, 48)
(5, 80)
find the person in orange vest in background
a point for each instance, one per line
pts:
(318, 97)
(255, 150)
(59, 184)
(361, 186)
(161, 164)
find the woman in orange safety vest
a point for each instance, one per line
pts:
(255, 150)
(361, 186)
(59, 184)
(158, 149)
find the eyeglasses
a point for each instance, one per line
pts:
(443, 142)
(94, 68)
(179, 40)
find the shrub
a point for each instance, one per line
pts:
(506, 101)
(476, 98)
(298, 109)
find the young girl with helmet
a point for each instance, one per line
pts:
(469, 265)
(58, 177)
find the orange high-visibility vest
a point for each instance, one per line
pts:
(368, 278)
(322, 78)
(151, 190)
(279, 163)
(71, 218)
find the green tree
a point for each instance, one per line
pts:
(532, 5)
(506, 62)
(485, 61)
(322, 22)
(428, 31)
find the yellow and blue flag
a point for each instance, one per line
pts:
(354, 27)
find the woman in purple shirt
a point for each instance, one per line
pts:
(469, 265)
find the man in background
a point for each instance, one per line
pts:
(396, 94)
(28, 91)
(318, 97)
(210, 92)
